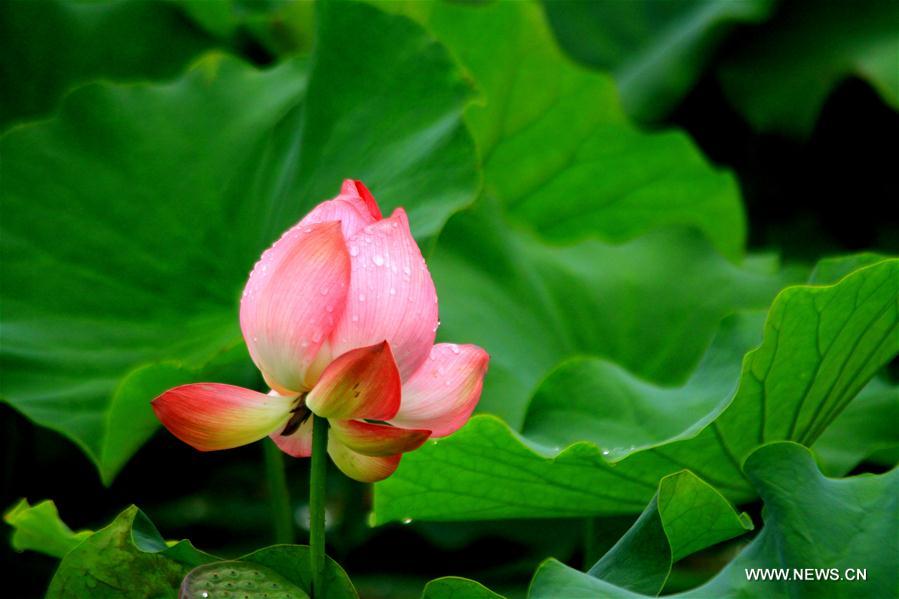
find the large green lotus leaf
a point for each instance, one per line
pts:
(821, 346)
(558, 150)
(452, 587)
(829, 525)
(686, 515)
(656, 50)
(652, 304)
(866, 427)
(129, 559)
(781, 76)
(130, 221)
(52, 45)
(39, 528)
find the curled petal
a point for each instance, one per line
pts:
(211, 416)
(366, 469)
(391, 295)
(377, 439)
(298, 444)
(362, 383)
(355, 189)
(443, 392)
(292, 301)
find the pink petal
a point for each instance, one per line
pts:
(377, 439)
(298, 444)
(366, 469)
(441, 395)
(211, 416)
(356, 189)
(391, 295)
(292, 301)
(362, 383)
(350, 210)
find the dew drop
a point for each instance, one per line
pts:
(361, 297)
(392, 291)
(454, 348)
(407, 520)
(355, 318)
(606, 452)
(407, 271)
(354, 251)
(329, 309)
(378, 259)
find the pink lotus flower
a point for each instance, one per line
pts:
(339, 315)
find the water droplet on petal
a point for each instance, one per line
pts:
(392, 291)
(378, 259)
(454, 348)
(354, 251)
(361, 297)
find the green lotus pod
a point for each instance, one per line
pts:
(238, 580)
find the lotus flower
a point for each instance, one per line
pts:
(340, 316)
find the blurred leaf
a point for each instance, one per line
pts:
(867, 427)
(558, 150)
(52, 45)
(810, 522)
(132, 219)
(821, 346)
(656, 50)
(39, 528)
(685, 516)
(452, 587)
(127, 559)
(781, 76)
(282, 27)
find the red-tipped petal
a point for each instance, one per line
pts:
(292, 301)
(391, 295)
(366, 469)
(298, 444)
(443, 392)
(356, 189)
(377, 439)
(211, 416)
(362, 383)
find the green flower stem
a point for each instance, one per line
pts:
(317, 491)
(278, 493)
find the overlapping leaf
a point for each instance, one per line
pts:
(832, 527)
(656, 50)
(781, 76)
(52, 45)
(132, 219)
(557, 148)
(821, 346)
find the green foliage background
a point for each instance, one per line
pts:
(629, 205)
